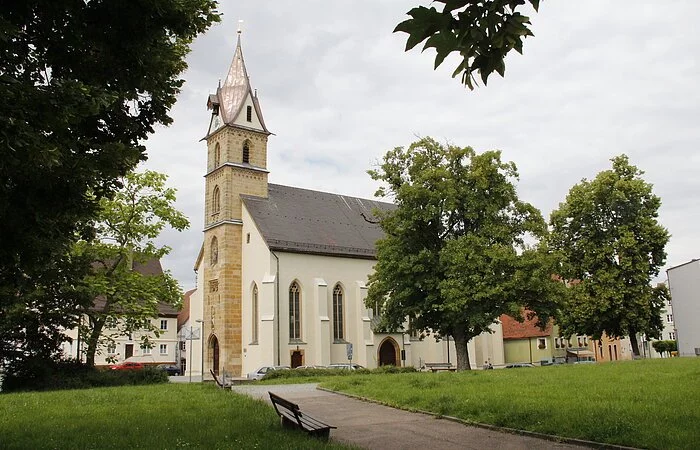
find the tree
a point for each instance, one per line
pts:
(454, 258)
(82, 84)
(482, 32)
(128, 224)
(665, 347)
(612, 244)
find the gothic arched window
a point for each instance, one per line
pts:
(216, 200)
(217, 155)
(338, 322)
(255, 313)
(214, 251)
(294, 311)
(246, 152)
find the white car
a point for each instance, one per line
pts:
(345, 366)
(261, 372)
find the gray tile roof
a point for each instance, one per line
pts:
(304, 221)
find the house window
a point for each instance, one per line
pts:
(246, 152)
(217, 155)
(216, 200)
(249, 113)
(557, 343)
(585, 341)
(111, 349)
(338, 324)
(294, 312)
(183, 346)
(163, 349)
(214, 251)
(146, 350)
(255, 313)
(541, 343)
(111, 322)
(669, 318)
(672, 336)
(163, 324)
(580, 342)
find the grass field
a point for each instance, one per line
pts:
(649, 403)
(165, 416)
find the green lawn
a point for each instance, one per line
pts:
(648, 403)
(164, 416)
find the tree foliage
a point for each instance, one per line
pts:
(612, 246)
(454, 257)
(482, 32)
(82, 84)
(128, 298)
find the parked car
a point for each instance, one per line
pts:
(261, 372)
(127, 365)
(345, 366)
(518, 365)
(172, 370)
(315, 366)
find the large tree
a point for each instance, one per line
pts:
(454, 257)
(125, 297)
(612, 247)
(82, 84)
(482, 32)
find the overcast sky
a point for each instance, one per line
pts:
(599, 78)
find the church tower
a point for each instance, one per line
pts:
(236, 164)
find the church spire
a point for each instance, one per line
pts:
(237, 103)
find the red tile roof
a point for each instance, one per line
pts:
(184, 315)
(512, 329)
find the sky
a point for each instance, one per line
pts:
(336, 88)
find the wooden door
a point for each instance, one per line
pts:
(128, 350)
(297, 359)
(387, 353)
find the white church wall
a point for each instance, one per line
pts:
(258, 268)
(306, 270)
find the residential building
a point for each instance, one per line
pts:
(684, 284)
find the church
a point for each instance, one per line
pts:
(282, 272)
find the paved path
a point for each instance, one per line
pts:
(374, 426)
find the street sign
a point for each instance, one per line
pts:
(190, 334)
(348, 348)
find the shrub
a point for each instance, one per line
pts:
(71, 374)
(305, 373)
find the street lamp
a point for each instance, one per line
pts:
(201, 337)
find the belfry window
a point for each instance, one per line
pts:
(294, 312)
(216, 200)
(255, 313)
(246, 152)
(338, 323)
(249, 114)
(214, 251)
(217, 155)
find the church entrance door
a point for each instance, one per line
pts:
(389, 353)
(214, 349)
(297, 359)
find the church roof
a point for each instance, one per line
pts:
(232, 94)
(305, 221)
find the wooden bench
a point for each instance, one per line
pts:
(291, 417)
(435, 367)
(222, 384)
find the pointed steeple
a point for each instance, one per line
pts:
(238, 105)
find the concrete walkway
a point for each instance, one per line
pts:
(374, 426)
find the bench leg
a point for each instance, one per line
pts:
(321, 434)
(289, 424)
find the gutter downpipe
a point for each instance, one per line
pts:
(277, 305)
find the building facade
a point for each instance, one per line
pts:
(684, 284)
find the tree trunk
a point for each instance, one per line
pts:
(633, 341)
(462, 350)
(93, 341)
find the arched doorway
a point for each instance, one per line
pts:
(214, 354)
(389, 353)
